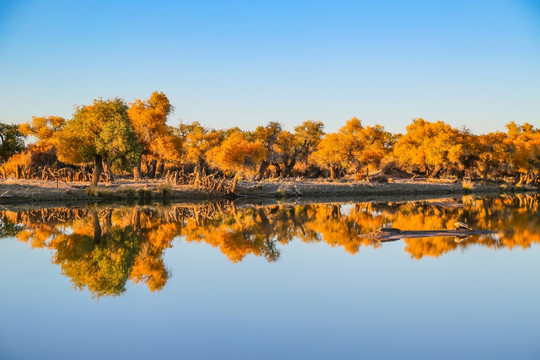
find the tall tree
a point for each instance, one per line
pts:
(149, 118)
(101, 133)
(268, 136)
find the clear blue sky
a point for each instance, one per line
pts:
(245, 63)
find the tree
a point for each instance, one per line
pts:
(376, 145)
(198, 141)
(524, 142)
(429, 147)
(43, 128)
(329, 154)
(341, 150)
(493, 152)
(268, 136)
(158, 142)
(11, 141)
(101, 133)
(299, 145)
(237, 155)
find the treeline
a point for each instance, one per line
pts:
(111, 137)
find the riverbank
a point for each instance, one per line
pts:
(27, 191)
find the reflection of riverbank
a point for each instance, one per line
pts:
(101, 248)
(31, 191)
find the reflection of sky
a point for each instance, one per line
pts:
(316, 302)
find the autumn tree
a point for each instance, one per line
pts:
(329, 154)
(268, 136)
(353, 147)
(376, 145)
(428, 147)
(237, 155)
(101, 133)
(524, 142)
(493, 152)
(157, 139)
(198, 141)
(297, 146)
(43, 128)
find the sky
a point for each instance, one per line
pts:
(246, 63)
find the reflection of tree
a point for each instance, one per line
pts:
(100, 261)
(156, 234)
(102, 249)
(236, 233)
(8, 228)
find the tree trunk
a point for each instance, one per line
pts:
(97, 226)
(107, 225)
(152, 171)
(334, 172)
(198, 169)
(160, 168)
(520, 182)
(108, 172)
(486, 172)
(137, 172)
(262, 170)
(435, 172)
(277, 169)
(234, 183)
(98, 169)
(288, 168)
(136, 218)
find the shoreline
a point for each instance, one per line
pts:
(36, 191)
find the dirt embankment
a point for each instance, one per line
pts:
(24, 191)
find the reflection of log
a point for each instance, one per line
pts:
(391, 235)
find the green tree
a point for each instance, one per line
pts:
(11, 141)
(101, 133)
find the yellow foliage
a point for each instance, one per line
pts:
(149, 118)
(237, 154)
(427, 145)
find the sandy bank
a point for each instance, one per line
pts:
(24, 191)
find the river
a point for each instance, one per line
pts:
(271, 281)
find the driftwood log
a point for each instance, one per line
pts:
(392, 234)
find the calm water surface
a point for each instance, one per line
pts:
(230, 281)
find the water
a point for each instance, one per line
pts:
(231, 281)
